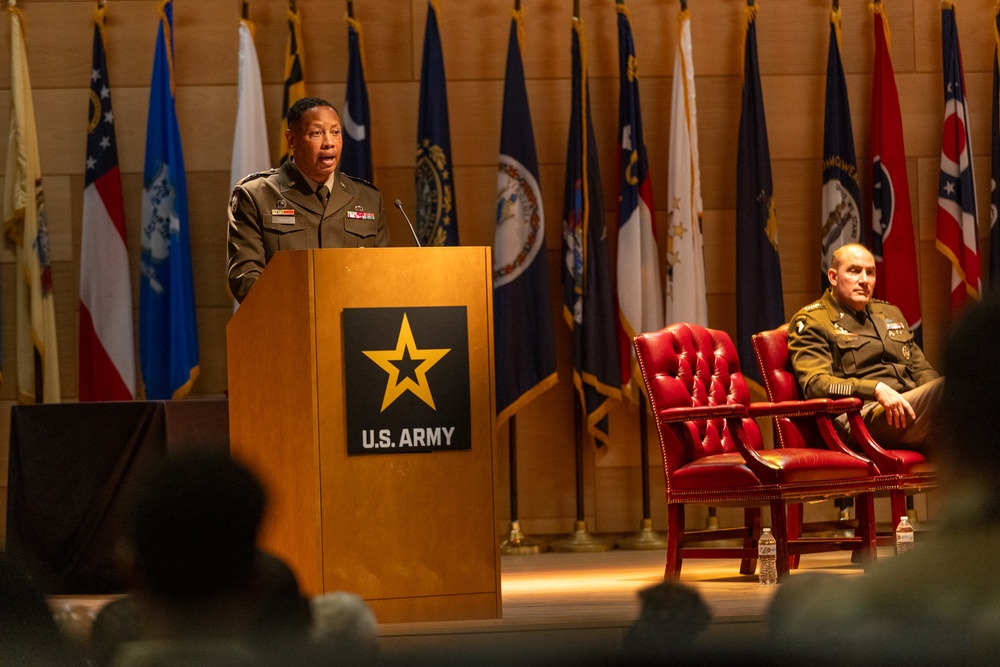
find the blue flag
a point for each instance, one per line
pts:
(437, 213)
(588, 301)
(524, 342)
(841, 221)
(356, 156)
(995, 161)
(168, 335)
(759, 304)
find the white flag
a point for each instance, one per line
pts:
(250, 151)
(686, 300)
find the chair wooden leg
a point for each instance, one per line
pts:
(675, 540)
(865, 510)
(795, 514)
(897, 499)
(751, 521)
(779, 527)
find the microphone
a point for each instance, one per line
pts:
(413, 231)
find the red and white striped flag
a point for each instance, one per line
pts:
(107, 350)
(957, 225)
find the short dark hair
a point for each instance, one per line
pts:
(300, 107)
(194, 524)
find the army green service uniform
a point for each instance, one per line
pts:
(280, 210)
(836, 352)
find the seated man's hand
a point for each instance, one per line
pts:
(898, 411)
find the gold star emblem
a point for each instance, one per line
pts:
(415, 362)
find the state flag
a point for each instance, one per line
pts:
(356, 156)
(295, 79)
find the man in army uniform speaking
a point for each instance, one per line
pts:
(847, 344)
(305, 203)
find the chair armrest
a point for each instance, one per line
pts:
(701, 413)
(883, 460)
(805, 408)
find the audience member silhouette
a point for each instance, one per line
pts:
(670, 619)
(947, 586)
(203, 592)
(29, 635)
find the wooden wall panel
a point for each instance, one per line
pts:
(793, 41)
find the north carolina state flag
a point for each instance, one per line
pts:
(892, 221)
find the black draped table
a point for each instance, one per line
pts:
(71, 470)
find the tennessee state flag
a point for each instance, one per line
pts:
(759, 302)
(957, 224)
(588, 300)
(524, 340)
(892, 221)
(640, 302)
(106, 347)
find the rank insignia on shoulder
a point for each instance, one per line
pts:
(812, 306)
(360, 215)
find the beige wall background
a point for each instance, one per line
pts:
(792, 40)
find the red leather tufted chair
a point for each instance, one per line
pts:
(713, 453)
(897, 471)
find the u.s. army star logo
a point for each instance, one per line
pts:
(409, 362)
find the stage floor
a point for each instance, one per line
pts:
(586, 601)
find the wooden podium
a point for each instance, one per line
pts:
(414, 534)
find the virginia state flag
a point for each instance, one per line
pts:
(437, 212)
(106, 346)
(841, 213)
(24, 224)
(640, 302)
(295, 79)
(892, 223)
(957, 225)
(759, 304)
(524, 341)
(168, 334)
(588, 301)
(995, 159)
(686, 299)
(356, 158)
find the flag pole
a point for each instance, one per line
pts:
(516, 543)
(581, 541)
(646, 537)
(246, 10)
(350, 9)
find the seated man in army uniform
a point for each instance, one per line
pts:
(305, 203)
(848, 344)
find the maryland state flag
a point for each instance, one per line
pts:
(106, 348)
(295, 80)
(587, 295)
(957, 224)
(686, 299)
(168, 332)
(841, 213)
(437, 212)
(26, 231)
(892, 223)
(524, 341)
(995, 160)
(759, 304)
(640, 301)
(356, 156)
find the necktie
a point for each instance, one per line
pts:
(324, 195)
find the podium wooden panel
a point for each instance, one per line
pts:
(415, 535)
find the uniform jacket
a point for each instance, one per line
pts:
(278, 210)
(835, 353)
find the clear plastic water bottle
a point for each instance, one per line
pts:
(904, 535)
(767, 556)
